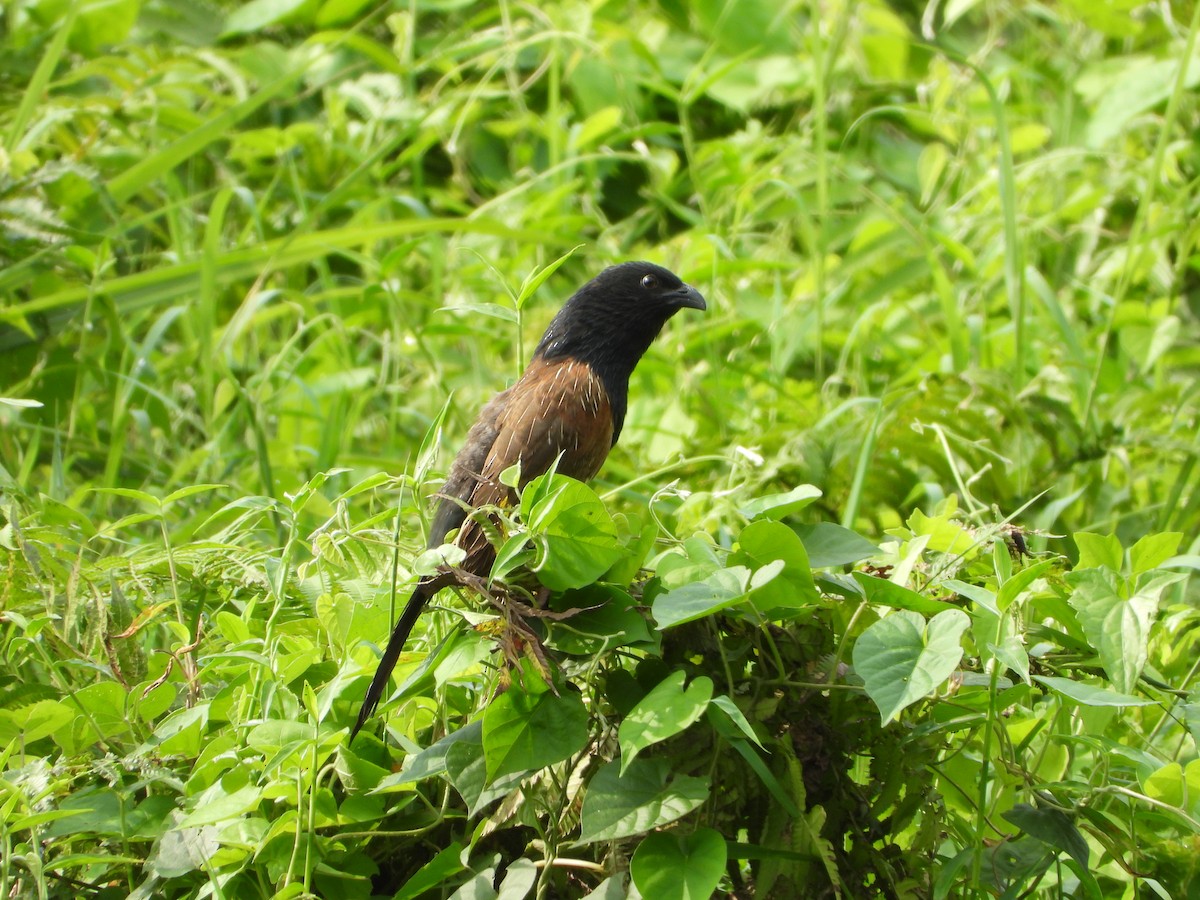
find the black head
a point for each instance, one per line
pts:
(612, 320)
(618, 313)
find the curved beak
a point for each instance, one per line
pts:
(690, 298)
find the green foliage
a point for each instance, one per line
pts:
(902, 658)
(679, 866)
(885, 591)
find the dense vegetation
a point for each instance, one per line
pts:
(884, 592)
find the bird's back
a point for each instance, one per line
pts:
(557, 410)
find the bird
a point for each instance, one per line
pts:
(568, 407)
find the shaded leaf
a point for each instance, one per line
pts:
(828, 544)
(642, 798)
(525, 730)
(675, 866)
(1052, 827)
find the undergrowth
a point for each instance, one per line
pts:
(889, 595)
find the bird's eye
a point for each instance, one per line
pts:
(649, 282)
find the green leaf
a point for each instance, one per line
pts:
(514, 553)
(340, 12)
(432, 760)
(466, 766)
(1012, 588)
(620, 804)
(180, 731)
(1052, 827)
(828, 544)
(492, 311)
(35, 89)
(1112, 18)
(530, 729)
(888, 593)
(1098, 551)
(764, 542)
(21, 403)
(738, 26)
(1149, 585)
(1118, 628)
(519, 879)
(1011, 651)
(279, 734)
(664, 712)
(638, 535)
(997, 636)
(93, 810)
(674, 866)
(258, 14)
(731, 711)
(1139, 85)
(105, 704)
(1175, 785)
(181, 851)
(35, 721)
(693, 560)
(460, 652)
(190, 491)
(776, 506)
(151, 167)
(903, 658)
(575, 536)
(946, 534)
(103, 23)
(596, 126)
(1191, 715)
(720, 590)
(782, 798)
(535, 279)
(141, 497)
(437, 871)
(980, 596)
(608, 618)
(215, 806)
(930, 166)
(1089, 695)
(170, 283)
(611, 888)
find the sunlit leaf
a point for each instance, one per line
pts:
(575, 537)
(903, 659)
(667, 710)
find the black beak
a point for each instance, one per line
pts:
(690, 298)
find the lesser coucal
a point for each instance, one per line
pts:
(569, 404)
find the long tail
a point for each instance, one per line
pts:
(404, 625)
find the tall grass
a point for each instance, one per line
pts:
(253, 278)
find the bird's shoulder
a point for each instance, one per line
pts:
(557, 388)
(558, 407)
(558, 410)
